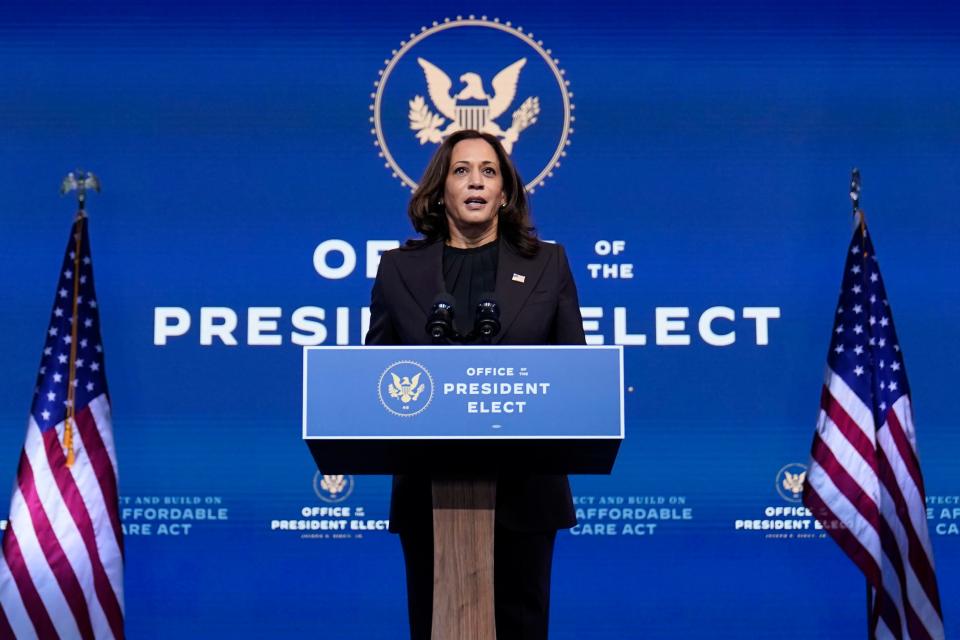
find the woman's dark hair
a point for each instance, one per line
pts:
(429, 217)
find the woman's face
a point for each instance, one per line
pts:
(473, 191)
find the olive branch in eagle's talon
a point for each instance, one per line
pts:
(426, 123)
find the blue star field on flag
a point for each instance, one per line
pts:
(865, 351)
(51, 395)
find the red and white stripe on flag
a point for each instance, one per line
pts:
(61, 569)
(864, 483)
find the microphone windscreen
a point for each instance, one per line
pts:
(488, 303)
(444, 299)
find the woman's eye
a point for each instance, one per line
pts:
(489, 171)
(460, 170)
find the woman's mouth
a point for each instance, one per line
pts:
(475, 203)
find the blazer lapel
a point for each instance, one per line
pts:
(422, 274)
(517, 277)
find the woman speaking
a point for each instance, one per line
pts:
(477, 237)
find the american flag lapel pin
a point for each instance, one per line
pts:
(519, 278)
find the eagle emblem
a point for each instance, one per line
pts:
(333, 484)
(332, 489)
(471, 107)
(407, 389)
(793, 482)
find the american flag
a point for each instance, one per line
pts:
(864, 484)
(61, 570)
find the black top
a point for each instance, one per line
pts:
(468, 274)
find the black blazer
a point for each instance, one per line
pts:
(542, 309)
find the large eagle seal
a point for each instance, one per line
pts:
(471, 107)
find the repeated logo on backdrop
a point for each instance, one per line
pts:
(338, 518)
(789, 481)
(472, 73)
(332, 488)
(791, 521)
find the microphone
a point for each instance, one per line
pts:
(440, 320)
(487, 321)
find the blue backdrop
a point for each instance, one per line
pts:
(709, 149)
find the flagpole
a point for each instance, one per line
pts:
(855, 202)
(855, 189)
(78, 181)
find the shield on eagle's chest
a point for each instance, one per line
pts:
(473, 114)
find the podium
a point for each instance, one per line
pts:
(463, 415)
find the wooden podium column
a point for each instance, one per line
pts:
(463, 523)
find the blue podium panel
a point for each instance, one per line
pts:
(563, 392)
(555, 409)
